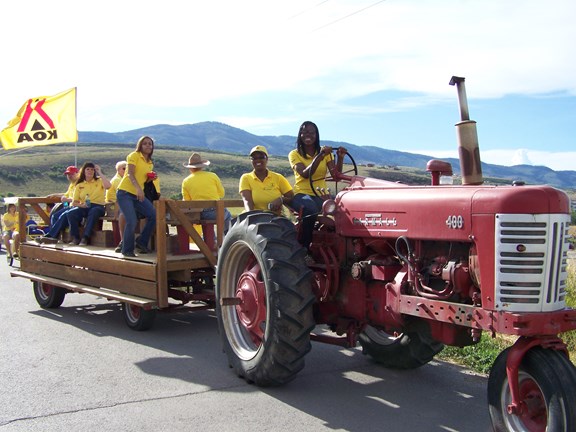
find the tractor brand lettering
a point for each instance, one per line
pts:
(455, 222)
(37, 132)
(375, 219)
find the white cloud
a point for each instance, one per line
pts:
(558, 161)
(521, 157)
(161, 55)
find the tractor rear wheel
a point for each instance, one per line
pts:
(399, 351)
(547, 387)
(264, 299)
(49, 296)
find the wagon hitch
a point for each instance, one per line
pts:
(350, 340)
(515, 356)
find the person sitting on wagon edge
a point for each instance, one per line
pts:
(88, 202)
(204, 185)
(58, 215)
(263, 189)
(66, 198)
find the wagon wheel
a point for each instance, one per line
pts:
(48, 296)
(138, 318)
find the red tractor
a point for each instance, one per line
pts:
(404, 270)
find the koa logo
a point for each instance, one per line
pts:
(37, 132)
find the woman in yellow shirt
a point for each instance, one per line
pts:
(88, 202)
(131, 199)
(309, 159)
(263, 189)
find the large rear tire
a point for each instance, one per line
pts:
(49, 296)
(547, 385)
(407, 350)
(264, 299)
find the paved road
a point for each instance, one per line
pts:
(80, 368)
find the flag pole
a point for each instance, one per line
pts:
(76, 117)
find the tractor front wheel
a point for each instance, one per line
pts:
(407, 350)
(547, 387)
(264, 299)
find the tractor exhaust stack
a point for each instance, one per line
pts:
(468, 149)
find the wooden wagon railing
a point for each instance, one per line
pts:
(143, 280)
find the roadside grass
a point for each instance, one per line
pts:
(480, 357)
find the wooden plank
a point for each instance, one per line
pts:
(219, 223)
(88, 277)
(192, 232)
(62, 255)
(198, 262)
(161, 275)
(110, 295)
(22, 202)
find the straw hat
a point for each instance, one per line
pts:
(196, 161)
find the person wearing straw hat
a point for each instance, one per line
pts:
(204, 185)
(263, 189)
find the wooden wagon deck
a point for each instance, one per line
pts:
(147, 280)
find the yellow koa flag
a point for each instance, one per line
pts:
(43, 120)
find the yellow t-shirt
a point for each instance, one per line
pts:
(263, 192)
(111, 192)
(301, 184)
(94, 188)
(9, 222)
(202, 185)
(70, 192)
(141, 168)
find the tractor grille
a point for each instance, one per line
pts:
(530, 265)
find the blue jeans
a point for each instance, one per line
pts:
(55, 215)
(129, 205)
(92, 214)
(311, 206)
(59, 223)
(210, 214)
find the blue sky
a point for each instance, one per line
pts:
(367, 72)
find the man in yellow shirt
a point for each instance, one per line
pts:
(204, 185)
(115, 181)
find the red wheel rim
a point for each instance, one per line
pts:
(251, 311)
(533, 414)
(46, 289)
(134, 311)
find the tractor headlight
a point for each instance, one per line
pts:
(329, 207)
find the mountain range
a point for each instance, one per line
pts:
(215, 136)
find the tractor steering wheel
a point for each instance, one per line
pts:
(345, 175)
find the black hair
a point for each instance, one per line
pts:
(300, 142)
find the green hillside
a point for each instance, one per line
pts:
(38, 171)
